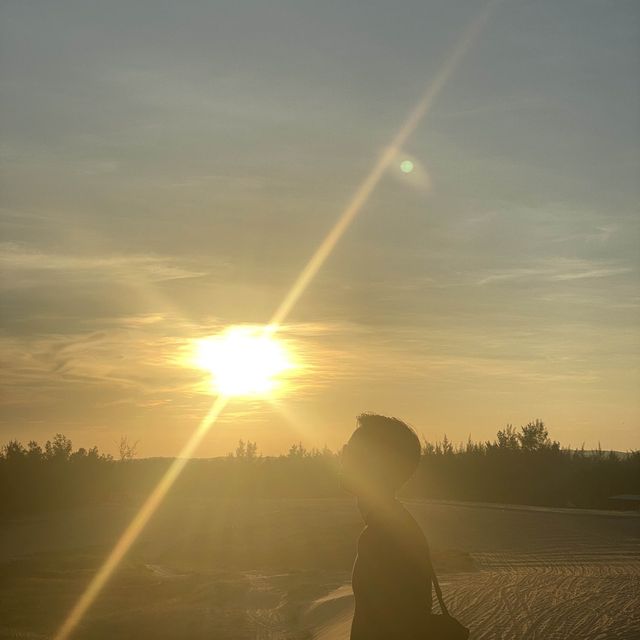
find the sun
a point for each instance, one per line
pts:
(244, 361)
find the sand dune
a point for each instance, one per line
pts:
(329, 618)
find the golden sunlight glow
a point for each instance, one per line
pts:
(244, 361)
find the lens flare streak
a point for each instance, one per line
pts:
(365, 189)
(140, 520)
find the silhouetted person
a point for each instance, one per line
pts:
(391, 576)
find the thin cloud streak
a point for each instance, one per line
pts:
(557, 269)
(19, 258)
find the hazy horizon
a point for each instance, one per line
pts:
(168, 171)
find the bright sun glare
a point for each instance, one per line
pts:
(243, 361)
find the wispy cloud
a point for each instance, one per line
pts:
(137, 363)
(556, 270)
(598, 234)
(592, 273)
(17, 258)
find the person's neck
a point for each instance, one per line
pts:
(383, 502)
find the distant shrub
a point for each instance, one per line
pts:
(37, 479)
(520, 466)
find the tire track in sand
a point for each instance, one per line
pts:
(513, 598)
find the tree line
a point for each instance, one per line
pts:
(520, 466)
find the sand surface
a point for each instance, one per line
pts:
(547, 574)
(279, 569)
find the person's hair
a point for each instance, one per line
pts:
(389, 445)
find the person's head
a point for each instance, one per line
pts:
(381, 455)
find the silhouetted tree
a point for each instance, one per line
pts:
(447, 447)
(520, 466)
(298, 450)
(13, 451)
(246, 450)
(508, 438)
(34, 451)
(534, 436)
(252, 450)
(60, 449)
(126, 450)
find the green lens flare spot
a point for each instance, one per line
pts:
(406, 166)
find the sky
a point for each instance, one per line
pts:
(169, 168)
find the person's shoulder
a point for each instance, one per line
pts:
(411, 526)
(410, 519)
(394, 526)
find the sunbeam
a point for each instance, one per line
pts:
(292, 418)
(139, 522)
